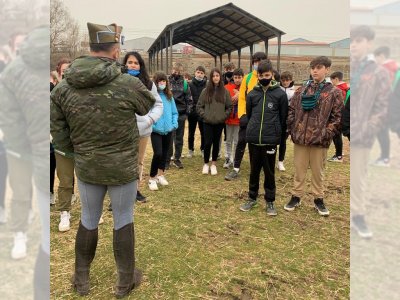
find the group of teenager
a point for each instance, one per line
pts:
(107, 139)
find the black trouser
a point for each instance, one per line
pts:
(193, 121)
(338, 142)
(262, 157)
(212, 136)
(240, 147)
(282, 148)
(3, 174)
(52, 171)
(160, 145)
(177, 138)
(384, 142)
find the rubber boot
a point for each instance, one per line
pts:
(124, 254)
(85, 250)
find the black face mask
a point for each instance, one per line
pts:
(229, 74)
(176, 76)
(264, 81)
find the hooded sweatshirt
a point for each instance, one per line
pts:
(93, 115)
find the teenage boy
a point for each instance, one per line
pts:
(337, 80)
(266, 110)
(197, 85)
(314, 118)
(370, 90)
(382, 58)
(248, 83)
(184, 104)
(232, 123)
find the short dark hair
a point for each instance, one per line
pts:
(238, 72)
(362, 31)
(277, 76)
(286, 75)
(321, 60)
(201, 68)
(265, 66)
(258, 56)
(384, 50)
(338, 75)
(105, 47)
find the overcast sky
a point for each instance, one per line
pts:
(315, 20)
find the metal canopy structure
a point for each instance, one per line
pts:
(217, 32)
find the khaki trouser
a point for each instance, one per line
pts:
(142, 150)
(20, 180)
(65, 174)
(358, 177)
(315, 158)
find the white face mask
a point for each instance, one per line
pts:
(199, 78)
(161, 87)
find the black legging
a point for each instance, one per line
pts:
(193, 121)
(160, 145)
(52, 171)
(384, 142)
(212, 136)
(338, 141)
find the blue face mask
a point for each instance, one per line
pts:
(161, 87)
(134, 72)
(255, 67)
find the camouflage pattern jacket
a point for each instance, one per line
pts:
(92, 115)
(318, 126)
(24, 112)
(370, 92)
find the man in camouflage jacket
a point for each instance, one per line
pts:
(93, 117)
(312, 131)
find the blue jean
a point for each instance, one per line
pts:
(122, 202)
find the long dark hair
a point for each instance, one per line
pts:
(213, 91)
(143, 76)
(159, 76)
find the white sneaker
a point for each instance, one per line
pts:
(3, 215)
(206, 169)
(101, 220)
(190, 154)
(161, 180)
(19, 249)
(64, 221)
(52, 199)
(153, 185)
(281, 167)
(214, 170)
(31, 216)
(227, 163)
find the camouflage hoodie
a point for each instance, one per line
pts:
(318, 126)
(92, 115)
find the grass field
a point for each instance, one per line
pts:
(193, 242)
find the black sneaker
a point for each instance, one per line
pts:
(232, 175)
(292, 204)
(358, 223)
(178, 164)
(110, 207)
(140, 197)
(248, 205)
(320, 207)
(271, 211)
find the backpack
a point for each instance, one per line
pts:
(185, 86)
(347, 96)
(248, 78)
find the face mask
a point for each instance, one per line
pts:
(255, 67)
(264, 81)
(161, 87)
(176, 76)
(134, 72)
(229, 74)
(199, 78)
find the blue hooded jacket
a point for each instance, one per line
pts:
(169, 118)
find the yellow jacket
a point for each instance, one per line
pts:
(242, 92)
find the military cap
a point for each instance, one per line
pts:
(104, 34)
